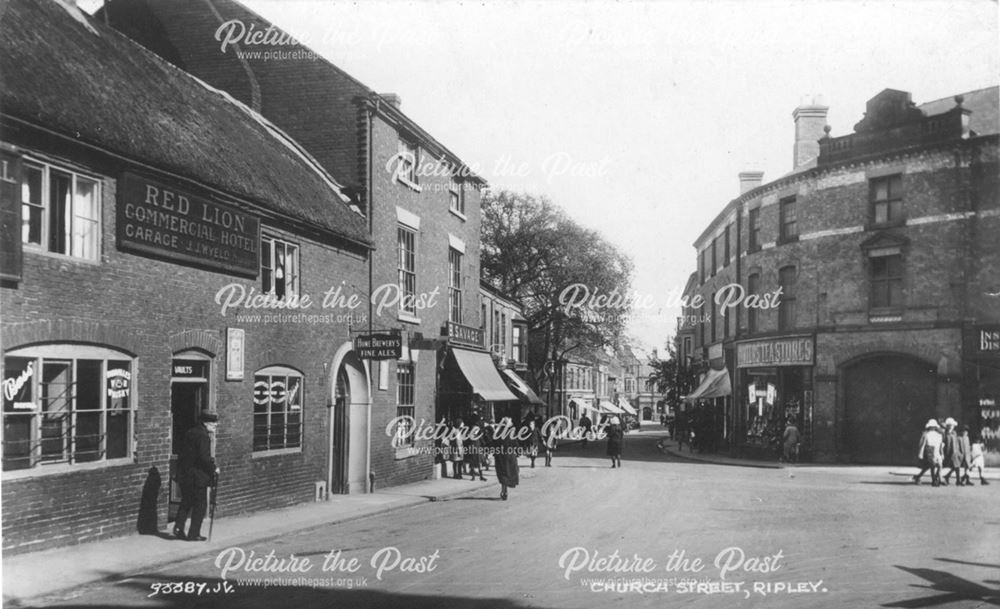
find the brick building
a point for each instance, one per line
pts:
(421, 202)
(136, 202)
(505, 333)
(883, 245)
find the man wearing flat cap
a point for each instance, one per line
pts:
(196, 471)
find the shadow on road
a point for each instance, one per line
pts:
(945, 588)
(231, 593)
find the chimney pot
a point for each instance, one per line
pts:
(750, 180)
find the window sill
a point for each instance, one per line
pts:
(885, 316)
(31, 249)
(873, 226)
(787, 240)
(263, 454)
(64, 468)
(411, 185)
(405, 317)
(458, 214)
(407, 452)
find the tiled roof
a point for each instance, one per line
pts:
(71, 74)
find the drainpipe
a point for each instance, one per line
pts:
(369, 114)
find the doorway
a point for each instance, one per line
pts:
(189, 395)
(350, 421)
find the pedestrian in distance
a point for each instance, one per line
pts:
(457, 447)
(790, 441)
(586, 425)
(930, 453)
(977, 460)
(474, 452)
(533, 442)
(616, 437)
(953, 456)
(196, 472)
(551, 441)
(505, 449)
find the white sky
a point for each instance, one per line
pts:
(659, 104)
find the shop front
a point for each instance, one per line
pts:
(469, 385)
(774, 377)
(982, 377)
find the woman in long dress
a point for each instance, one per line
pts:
(505, 451)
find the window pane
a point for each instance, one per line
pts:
(880, 190)
(16, 442)
(88, 384)
(60, 207)
(32, 209)
(87, 436)
(119, 424)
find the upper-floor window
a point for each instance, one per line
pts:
(703, 266)
(786, 305)
(886, 280)
(519, 351)
(788, 213)
(455, 285)
(60, 211)
(687, 351)
(753, 229)
(482, 321)
(715, 263)
(457, 196)
(279, 267)
(726, 251)
(714, 314)
(66, 404)
(409, 159)
(887, 200)
(406, 240)
(277, 409)
(404, 401)
(753, 287)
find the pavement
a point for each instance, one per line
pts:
(37, 574)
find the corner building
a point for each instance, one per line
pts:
(882, 243)
(135, 199)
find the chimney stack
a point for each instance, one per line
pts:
(750, 180)
(810, 118)
(393, 99)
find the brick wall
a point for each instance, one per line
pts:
(153, 308)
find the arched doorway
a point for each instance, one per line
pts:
(887, 401)
(350, 422)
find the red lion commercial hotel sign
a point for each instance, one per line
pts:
(157, 219)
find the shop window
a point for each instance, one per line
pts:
(404, 401)
(279, 267)
(789, 226)
(455, 285)
(753, 230)
(886, 281)
(887, 200)
(409, 158)
(60, 211)
(407, 267)
(277, 409)
(786, 305)
(66, 405)
(753, 287)
(456, 196)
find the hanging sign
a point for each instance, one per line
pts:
(379, 346)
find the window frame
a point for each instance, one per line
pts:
(888, 280)
(753, 230)
(70, 458)
(456, 195)
(408, 153)
(787, 304)
(753, 319)
(786, 205)
(727, 252)
(406, 268)
(285, 445)
(268, 269)
(891, 199)
(72, 215)
(406, 374)
(455, 297)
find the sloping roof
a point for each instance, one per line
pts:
(312, 99)
(75, 76)
(985, 106)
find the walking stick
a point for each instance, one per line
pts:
(214, 490)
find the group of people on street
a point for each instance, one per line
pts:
(950, 448)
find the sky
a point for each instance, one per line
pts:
(636, 117)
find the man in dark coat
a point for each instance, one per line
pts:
(587, 425)
(196, 471)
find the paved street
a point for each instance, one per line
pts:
(797, 537)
